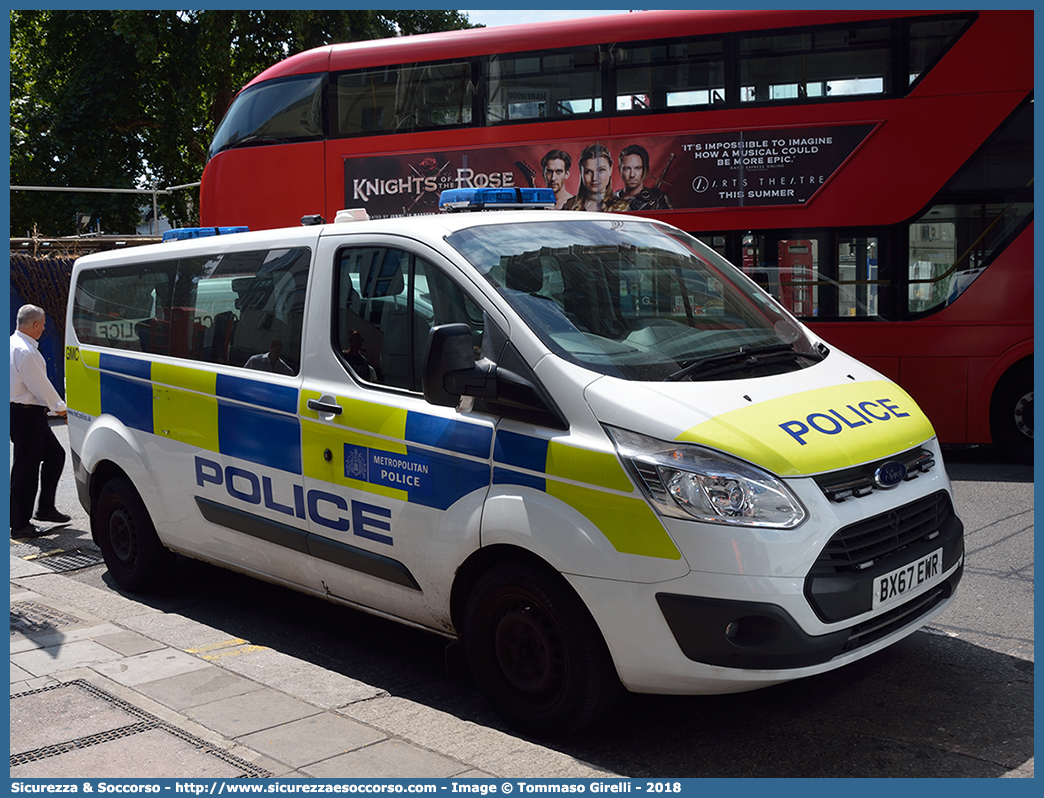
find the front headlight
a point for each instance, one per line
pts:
(689, 481)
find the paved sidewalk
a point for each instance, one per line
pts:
(102, 686)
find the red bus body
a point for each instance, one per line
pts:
(907, 148)
(951, 361)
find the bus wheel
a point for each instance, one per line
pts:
(127, 539)
(536, 652)
(1011, 413)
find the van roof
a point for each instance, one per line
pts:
(422, 227)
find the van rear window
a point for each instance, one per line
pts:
(224, 308)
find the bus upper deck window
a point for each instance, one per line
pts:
(399, 99)
(929, 39)
(827, 63)
(554, 83)
(674, 75)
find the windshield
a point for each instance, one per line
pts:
(636, 299)
(274, 112)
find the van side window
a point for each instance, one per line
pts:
(387, 301)
(113, 306)
(225, 308)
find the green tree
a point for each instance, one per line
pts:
(129, 99)
(73, 117)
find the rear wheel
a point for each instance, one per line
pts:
(536, 652)
(1011, 413)
(127, 539)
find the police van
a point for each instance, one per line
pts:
(582, 447)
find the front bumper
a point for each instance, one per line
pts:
(744, 622)
(839, 587)
(759, 636)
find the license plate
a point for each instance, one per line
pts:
(891, 587)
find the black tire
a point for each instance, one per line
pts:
(127, 539)
(536, 652)
(1011, 413)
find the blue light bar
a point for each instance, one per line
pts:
(478, 199)
(185, 233)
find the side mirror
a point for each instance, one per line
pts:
(451, 371)
(450, 368)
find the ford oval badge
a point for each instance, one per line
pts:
(889, 474)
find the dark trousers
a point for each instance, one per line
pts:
(38, 462)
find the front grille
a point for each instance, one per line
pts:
(858, 546)
(862, 480)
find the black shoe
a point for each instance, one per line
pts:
(53, 516)
(29, 531)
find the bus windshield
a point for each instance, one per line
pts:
(273, 113)
(636, 300)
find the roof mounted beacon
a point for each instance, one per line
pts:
(492, 199)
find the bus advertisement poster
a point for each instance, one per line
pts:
(689, 171)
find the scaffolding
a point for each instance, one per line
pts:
(154, 192)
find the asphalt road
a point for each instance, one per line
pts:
(953, 700)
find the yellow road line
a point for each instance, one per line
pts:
(224, 648)
(231, 652)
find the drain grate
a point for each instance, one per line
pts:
(28, 617)
(146, 722)
(83, 742)
(69, 560)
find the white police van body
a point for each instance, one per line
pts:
(582, 444)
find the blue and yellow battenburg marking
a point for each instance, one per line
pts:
(389, 451)
(434, 461)
(244, 418)
(383, 450)
(627, 521)
(820, 430)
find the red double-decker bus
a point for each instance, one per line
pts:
(873, 169)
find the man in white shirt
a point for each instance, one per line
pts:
(38, 456)
(271, 361)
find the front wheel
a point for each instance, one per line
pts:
(1011, 413)
(127, 539)
(536, 652)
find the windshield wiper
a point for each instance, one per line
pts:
(745, 357)
(256, 141)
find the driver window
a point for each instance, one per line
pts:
(388, 300)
